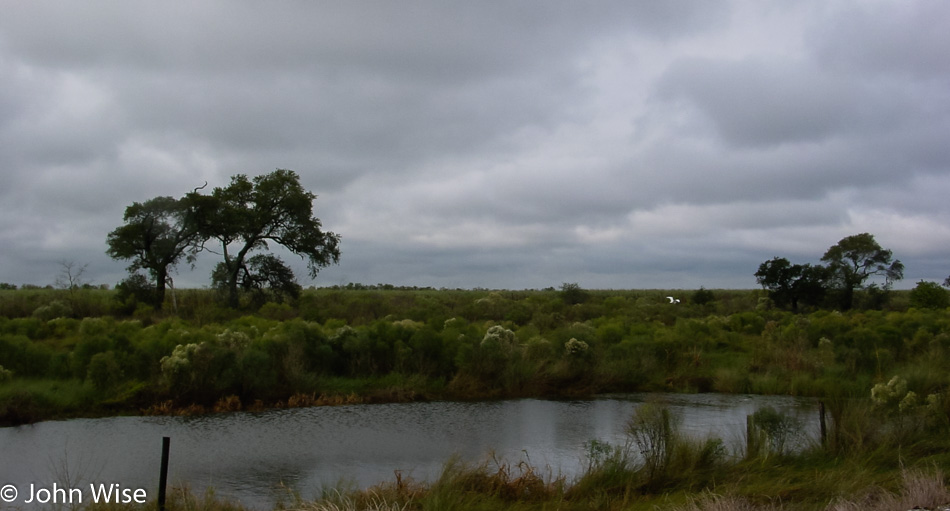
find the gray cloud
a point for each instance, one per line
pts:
(619, 144)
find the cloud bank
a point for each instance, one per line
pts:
(457, 144)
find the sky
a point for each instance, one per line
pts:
(512, 145)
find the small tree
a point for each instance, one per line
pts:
(856, 258)
(157, 234)
(573, 294)
(789, 284)
(702, 296)
(71, 275)
(133, 290)
(929, 295)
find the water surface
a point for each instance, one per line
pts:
(257, 457)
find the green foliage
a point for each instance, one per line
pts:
(702, 296)
(264, 278)
(132, 291)
(243, 217)
(157, 234)
(572, 294)
(791, 284)
(856, 258)
(458, 345)
(55, 309)
(104, 371)
(23, 356)
(249, 213)
(929, 295)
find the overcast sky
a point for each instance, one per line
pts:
(629, 144)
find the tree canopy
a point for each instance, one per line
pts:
(243, 217)
(248, 213)
(789, 284)
(856, 258)
(156, 235)
(849, 264)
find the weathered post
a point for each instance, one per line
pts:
(821, 422)
(749, 441)
(163, 478)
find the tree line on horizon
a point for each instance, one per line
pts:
(242, 219)
(848, 266)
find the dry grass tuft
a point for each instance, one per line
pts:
(711, 502)
(230, 403)
(920, 491)
(364, 501)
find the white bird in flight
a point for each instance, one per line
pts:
(672, 300)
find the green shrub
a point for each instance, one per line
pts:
(572, 294)
(702, 296)
(104, 371)
(53, 310)
(24, 357)
(929, 295)
(277, 311)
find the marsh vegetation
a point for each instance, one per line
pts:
(881, 371)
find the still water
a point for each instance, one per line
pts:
(256, 457)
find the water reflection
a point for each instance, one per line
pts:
(251, 456)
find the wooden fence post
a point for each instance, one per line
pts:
(163, 478)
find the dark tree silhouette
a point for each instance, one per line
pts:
(854, 259)
(249, 213)
(789, 284)
(157, 234)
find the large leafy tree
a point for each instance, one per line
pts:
(856, 258)
(248, 213)
(157, 234)
(790, 284)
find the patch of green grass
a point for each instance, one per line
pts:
(26, 401)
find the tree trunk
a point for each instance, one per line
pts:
(234, 268)
(234, 299)
(847, 299)
(160, 276)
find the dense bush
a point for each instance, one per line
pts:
(929, 295)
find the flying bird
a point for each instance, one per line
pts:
(672, 300)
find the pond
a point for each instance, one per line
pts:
(256, 458)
